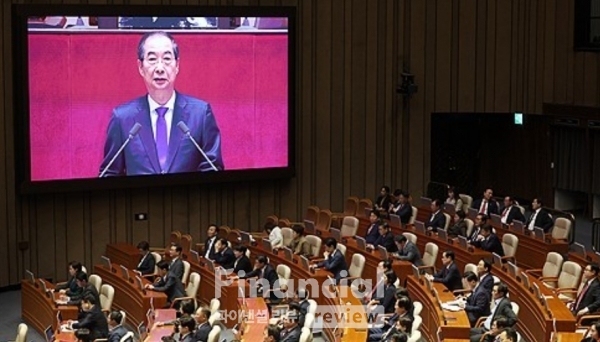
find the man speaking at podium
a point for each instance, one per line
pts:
(164, 131)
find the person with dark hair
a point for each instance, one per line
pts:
(264, 270)
(373, 230)
(224, 256)
(275, 235)
(298, 243)
(212, 233)
(486, 205)
(291, 328)
(407, 251)
(87, 289)
(186, 309)
(388, 299)
(242, 262)
(161, 147)
(334, 260)
(176, 265)
(385, 239)
(539, 217)
(449, 275)
(93, 319)
(405, 325)
(399, 337)
(510, 212)
(488, 241)
(479, 221)
(301, 297)
(498, 326)
(588, 296)
(147, 262)
(594, 333)
(203, 327)
(459, 228)
(168, 283)
(454, 199)
(478, 303)
(508, 335)
(402, 208)
(437, 219)
(271, 333)
(383, 201)
(115, 327)
(484, 271)
(402, 309)
(187, 326)
(70, 287)
(501, 307)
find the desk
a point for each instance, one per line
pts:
(257, 318)
(128, 296)
(39, 311)
(161, 315)
(569, 337)
(456, 326)
(123, 254)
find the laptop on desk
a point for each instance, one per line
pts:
(395, 219)
(579, 249)
(496, 219)
(420, 227)
(336, 234)
(518, 226)
(361, 243)
(49, 334)
(309, 227)
(450, 209)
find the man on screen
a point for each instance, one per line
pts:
(160, 145)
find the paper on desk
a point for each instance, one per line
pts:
(449, 307)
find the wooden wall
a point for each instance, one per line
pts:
(354, 132)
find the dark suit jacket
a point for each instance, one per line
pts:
(117, 333)
(513, 214)
(542, 220)
(242, 264)
(140, 156)
(177, 268)
(492, 207)
(490, 244)
(449, 276)
(71, 286)
(436, 221)
(476, 230)
(171, 286)
(388, 301)
(411, 253)
(487, 282)
(269, 274)
(147, 265)
(189, 338)
(373, 235)
(226, 258)
(591, 298)
(383, 202)
(505, 309)
(95, 321)
(387, 241)
(478, 304)
(292, 335)
(202, 332)
(88, 289)
(405, 212)
(336, 263)
(211, 254)
(458, 229)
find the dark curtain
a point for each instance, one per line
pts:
(595, 161)
(571, 159)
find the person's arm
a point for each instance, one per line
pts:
(595, 293)
(300, 247)
(253, 273)
(163, 287)
(210, 141)
(479, 305)
(85, 322)
(407, 254)
(277, 237)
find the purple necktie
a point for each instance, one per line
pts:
(162, 146)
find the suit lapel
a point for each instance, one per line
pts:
(143, 117)
(179, 114)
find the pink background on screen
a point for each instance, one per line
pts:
(76, 79)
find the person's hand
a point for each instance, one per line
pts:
(372, 302)
(61, 291)
(480, 237)
(159, 324)
(149, 286)
(461, 304)
(326, 254)
(234, 278)
(582, 312)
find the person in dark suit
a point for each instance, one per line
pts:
(187, 327)
(478, 303)
(479, 221)
(115, 327)
(594, 333)
(402, 309)
(87, 290)
(508, 335)
(242, 262)
(291, 328)
(168, 283)
(437, 219)
(539, 217)
(588, 296)
(147, 262)
(486, 205)
(488, 241)
(271, 333)
(499, 324)
(161, 146)
(459, 228)
(203, 325)
(385, 239)
(407, 251)
(334, 261)
(301, 297)
(212, 234)
(484, 270)
(388, 300)
(373, 230)
(267, 277)
(383, 201)
(402, 208)
(70, 287)
(510, 212)
(501, 307)
(449, 275)
(93, 319)
(224, 256)
(176, 266)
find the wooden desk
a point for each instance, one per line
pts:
(128, 296)
(569, 337)
(123, 254)
(584, 260)
(161, 315)
(39, 311)
(257, 318)
(456, 325)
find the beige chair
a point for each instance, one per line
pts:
(429, 257)
(83, 269)
(410, 237)
(413, 217)
(288, 235)
(467, 202)
(312, 306)
(510, 242)
(349, 226)
(567, 294)
(551, 268)
(191, 290)
(215, 305)
(470, 225)
(186, 272)
(561, 229)
(313, 245)
(417, 321)
(342, 249)
(448, 219)
(415, 336)
(567, 281)
(214, 319)
(522, 209)
(417, 308)
(356, 268)
(309, 320)
(470, 267)
(107, 294)
(157, 259)
(284, 272)
(215, 333)
(306, 335)
(95, 280)
(22, 333)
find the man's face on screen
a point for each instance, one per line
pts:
(159, 67)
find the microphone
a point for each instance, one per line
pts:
(186, 130)
(132, 133)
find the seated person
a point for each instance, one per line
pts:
(449, 275)
(212, 234)
(488, 241)
(298, 242)
(459, 228)
(266, 275)
(383, 201)
(594, 333)
(588, 296)
(242, 262)
(437, 219)
(301, 297)
(385, 239)
(291, 328)
(402, 208)
(484, 271)
(478, 302)
(404, 325)
(539, 217)
(147, 262)
(501, 307)
(168, 283)
(87, 289)
(83, 335)
(508, 335)
(224, 255)
(186, 309)
(203, 325)
(486, 205)
(334, 260)
(176, 266)
(479, 221)
(70, 287)
(398, 337)
(498, 325)
(92, 318)
(275, 236)
(510, 212)
(271, 333)
(401, 309)
(115, 326)
(408, 251)
(388, 299)
(383, 267)
(373, 230)
(187, 327)
(454, 198)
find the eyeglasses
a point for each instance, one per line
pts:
(153, 60)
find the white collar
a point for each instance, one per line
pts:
(153, 104)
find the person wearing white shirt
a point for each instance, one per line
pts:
(275, 235)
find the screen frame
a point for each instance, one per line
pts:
(24, 184)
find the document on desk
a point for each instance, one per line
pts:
(451, 307)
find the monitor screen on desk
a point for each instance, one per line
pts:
(336, 234)
(496, 219)
(395, 219)
(497, 259)
(420, 226)
(267, 246)
(106, 261)
(139, 282)
(512, 269)
(309, 227)
(289, 254)
(416, 271)
(43, 285)
(462, 242)
(525, 280)
(210, 264)
(579, 249)
(195, 256)
(383, 253)
(59, 319)
(305, 262)
(245, 236)
(150, 317)
(30, 276)
(518, 226)
(539, 233)
(142, 331)
(361, 243)
(443, 234)
(124, 272)
(49, 333)
(473, 213)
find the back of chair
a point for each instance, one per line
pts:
(553, 265)
(284, 223)
(107, 294)
(157, 259)
(128, 337)
(470, 225)
(357, 265)
(312, 307)
(214, 318)
(342, 249)
(22, 333)
(309, 320)
(467, 201)
(413, 217)
(510, 242)
(350, 206)
(570, 275)
(411, 237)
(215, 305)
(186, 242)
(288, 235)
(417, 308)
(470, 267)
(313, 245)
(349, 226)
(186, 271)
(562, 228)
(448, 219)
(272, 219)
(312, 213)
(324, 221)
(515, 308)
(416, 323)
(284, 272)
(522, 209)
(415, 336)
(95, 280)
(362, 204)
(175, 237)
(430, 255)
(306, 335)
(193, 285)
(215, 333)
